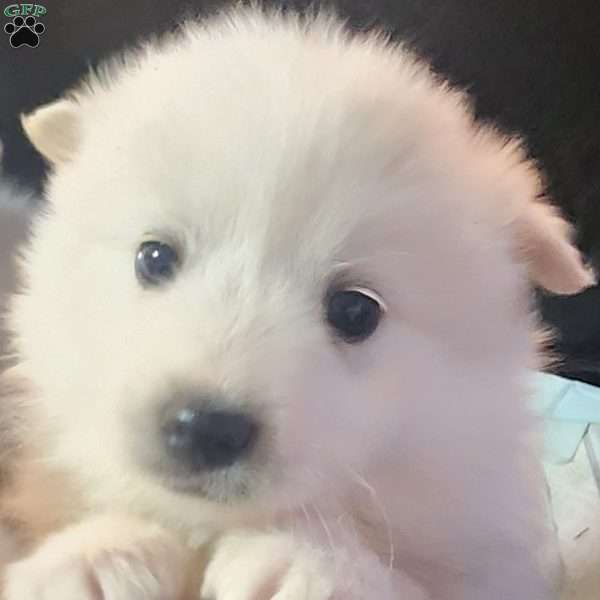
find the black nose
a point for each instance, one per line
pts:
(203, 440)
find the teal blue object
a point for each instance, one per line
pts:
(571, 413)
(592, 444)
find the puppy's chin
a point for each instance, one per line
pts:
(243, 492)
(239, 486)
(222, 488)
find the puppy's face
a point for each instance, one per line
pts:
(251, 288)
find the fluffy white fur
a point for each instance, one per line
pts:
(281, 155)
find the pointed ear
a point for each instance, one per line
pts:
(54, 130)
(544, 240)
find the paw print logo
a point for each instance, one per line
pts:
(24, 32)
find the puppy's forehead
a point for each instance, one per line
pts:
(292, 145)
(291, 131)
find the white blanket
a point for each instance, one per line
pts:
(576, 505)
(571, 412)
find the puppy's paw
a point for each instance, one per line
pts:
(267, 566)
(249, 565)
(102, 559)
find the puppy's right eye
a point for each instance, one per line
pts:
(155, 263)
(353, 313)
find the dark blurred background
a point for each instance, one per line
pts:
(532, 66)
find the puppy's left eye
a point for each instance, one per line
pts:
(354, 313)
(155, 263)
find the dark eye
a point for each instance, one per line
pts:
(155, 263)
(353, 314)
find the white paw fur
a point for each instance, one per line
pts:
(250, 565)
(102, 559)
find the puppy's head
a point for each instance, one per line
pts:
(273, 257)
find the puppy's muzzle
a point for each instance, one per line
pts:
(204, 440)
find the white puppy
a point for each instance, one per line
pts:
(277, 311)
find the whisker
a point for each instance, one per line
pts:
(379, 505)
(328, 534)
(306, 516)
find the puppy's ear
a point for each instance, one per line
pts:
(544, 240)
(54, 130)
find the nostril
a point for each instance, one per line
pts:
(208, 440)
